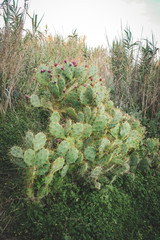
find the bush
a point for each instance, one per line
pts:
(128, 210)
(87, 135)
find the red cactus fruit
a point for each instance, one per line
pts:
(84, 85)
(27, 96)
(56, 64)
(58, 140)
(59, 75)
(62, 68)
(91, 79)
(91, 84)
(100, 79)
(55, 82)
(64, 90)
(70, 65)
(65, 61)
(75, 87)
(51, 75)
(74, 62)
(86, 66)
(49, 71)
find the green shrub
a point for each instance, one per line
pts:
(128, 210)
(86, 136)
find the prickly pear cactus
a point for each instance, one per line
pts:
(86, 132)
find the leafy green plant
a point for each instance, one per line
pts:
(86, 136)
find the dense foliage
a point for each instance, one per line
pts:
(87, 135)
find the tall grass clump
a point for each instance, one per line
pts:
(135, 75)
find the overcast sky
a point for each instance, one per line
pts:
(97, 18)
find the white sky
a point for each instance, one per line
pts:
(97, 18)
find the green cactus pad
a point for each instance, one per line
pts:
(109, 105)
(104, 143)
(35, 101)
(90, 94)
(124, 148)
(46, 104)
(79, 144)
(16, 152)
(115, 131)
(117, 116)
(48, 180)
(42, 78)
(55, 117)
(77, 130)
(87, 113)
(56, 130)
(67, 72)
(29, 157)
(72, 155)
(78, 71)
(57, 165)
(80, 157)
(29, 139)
(83, 95)
(68, 127)
(41, 157)
(92, 71)
(133, 141)
(100, 93)
(87, 131)
(90, 153)
(64, 171)
(39, 141)
(63, 148)
(100, 123)
(125, 129)
(54, 89)
(61, 84)
(81, 117)
(72, 113)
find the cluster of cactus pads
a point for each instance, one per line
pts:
(86, 132)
